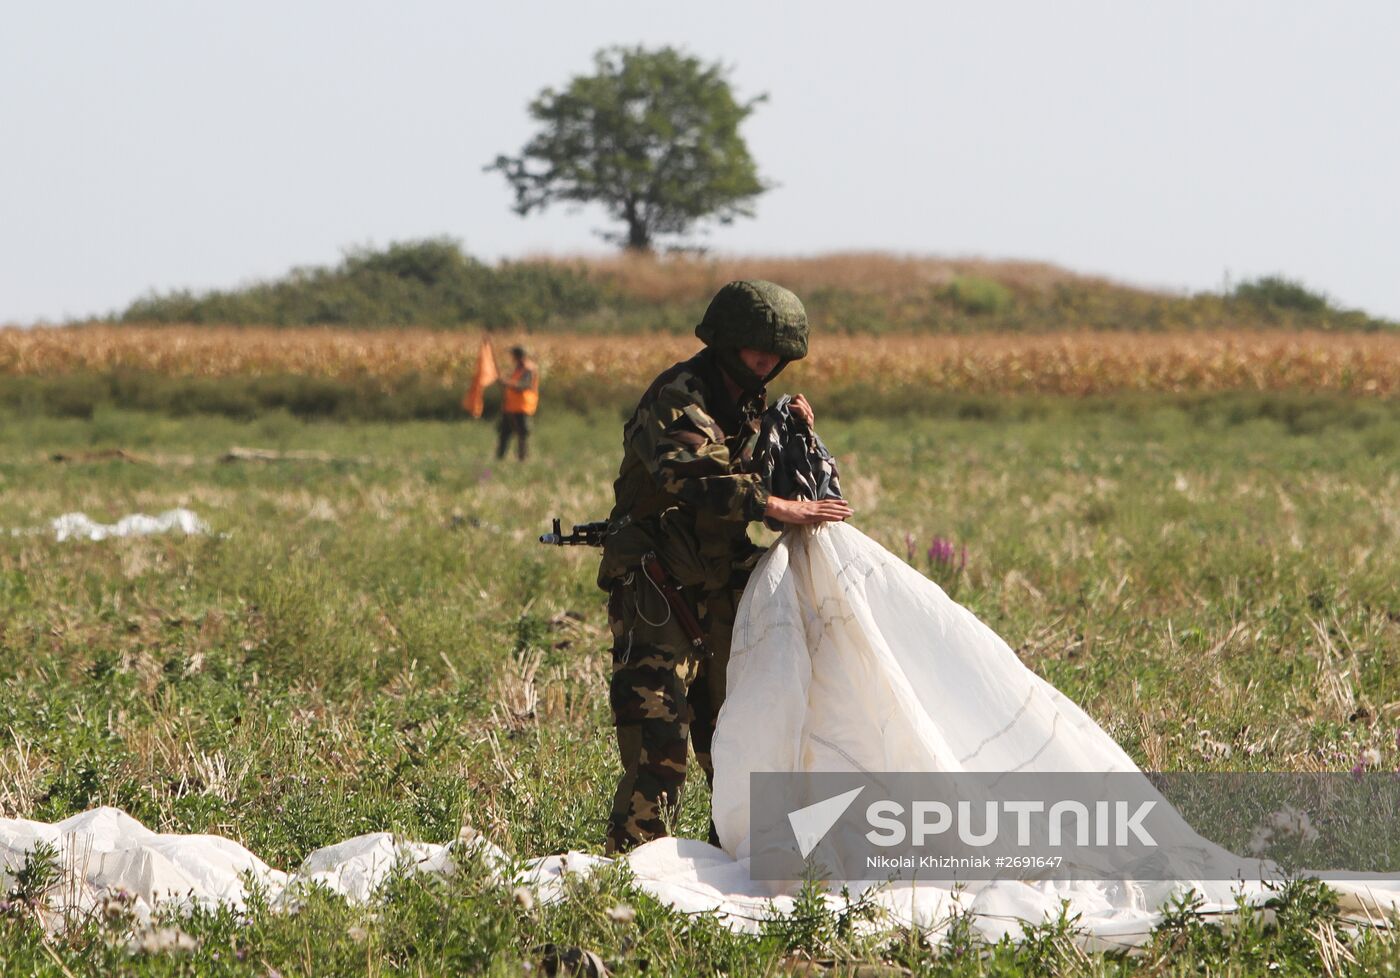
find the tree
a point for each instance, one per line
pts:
(653, 136)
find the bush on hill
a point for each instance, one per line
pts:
(434, 283)
(421, 283)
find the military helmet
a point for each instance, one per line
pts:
(756, 314)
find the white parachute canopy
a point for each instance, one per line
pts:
(846, 659)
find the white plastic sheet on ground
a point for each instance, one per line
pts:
(844, 659)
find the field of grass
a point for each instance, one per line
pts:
(371, 639)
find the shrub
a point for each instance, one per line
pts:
(1277, 292)
(979, 296)
(431, 282)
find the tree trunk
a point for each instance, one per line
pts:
(638, 237)
(638, 234)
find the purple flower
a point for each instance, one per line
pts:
(909, 546)
(942, 552)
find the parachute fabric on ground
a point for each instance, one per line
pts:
(105, 851)
(78, 526)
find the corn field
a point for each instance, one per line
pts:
(1075, 364)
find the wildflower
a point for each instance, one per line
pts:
(117, 906)
(940, 551)
(621, 914)
(1292, 821)
(909, 551)
(1371, 757)
(524, 898)
(162, 939)
(357, 934)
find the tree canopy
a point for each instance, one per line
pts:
(652, 135)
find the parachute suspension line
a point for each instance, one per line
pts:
(662, 595)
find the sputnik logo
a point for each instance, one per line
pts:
(811, 824)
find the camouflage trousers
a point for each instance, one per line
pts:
(663, 693)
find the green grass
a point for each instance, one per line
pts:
(353, 650)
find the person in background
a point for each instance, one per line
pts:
(521, 401)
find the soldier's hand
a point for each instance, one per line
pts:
(802, 512)
(803, 410)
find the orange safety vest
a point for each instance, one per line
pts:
(528, 400)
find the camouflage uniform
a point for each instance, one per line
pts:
(687, 490)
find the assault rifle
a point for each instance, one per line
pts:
(584, 535)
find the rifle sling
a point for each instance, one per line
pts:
(656, 573)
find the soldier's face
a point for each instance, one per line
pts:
(759, 362)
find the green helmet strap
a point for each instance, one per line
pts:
(733, 364)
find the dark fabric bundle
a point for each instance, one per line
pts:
(791, 458)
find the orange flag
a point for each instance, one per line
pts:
(474, 400)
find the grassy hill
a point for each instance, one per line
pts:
(433, 283)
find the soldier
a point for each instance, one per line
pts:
(686, 491)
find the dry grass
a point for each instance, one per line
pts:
(1068, 363)
(683, 278)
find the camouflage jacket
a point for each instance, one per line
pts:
(688, 480)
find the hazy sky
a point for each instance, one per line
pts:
(188, 144)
